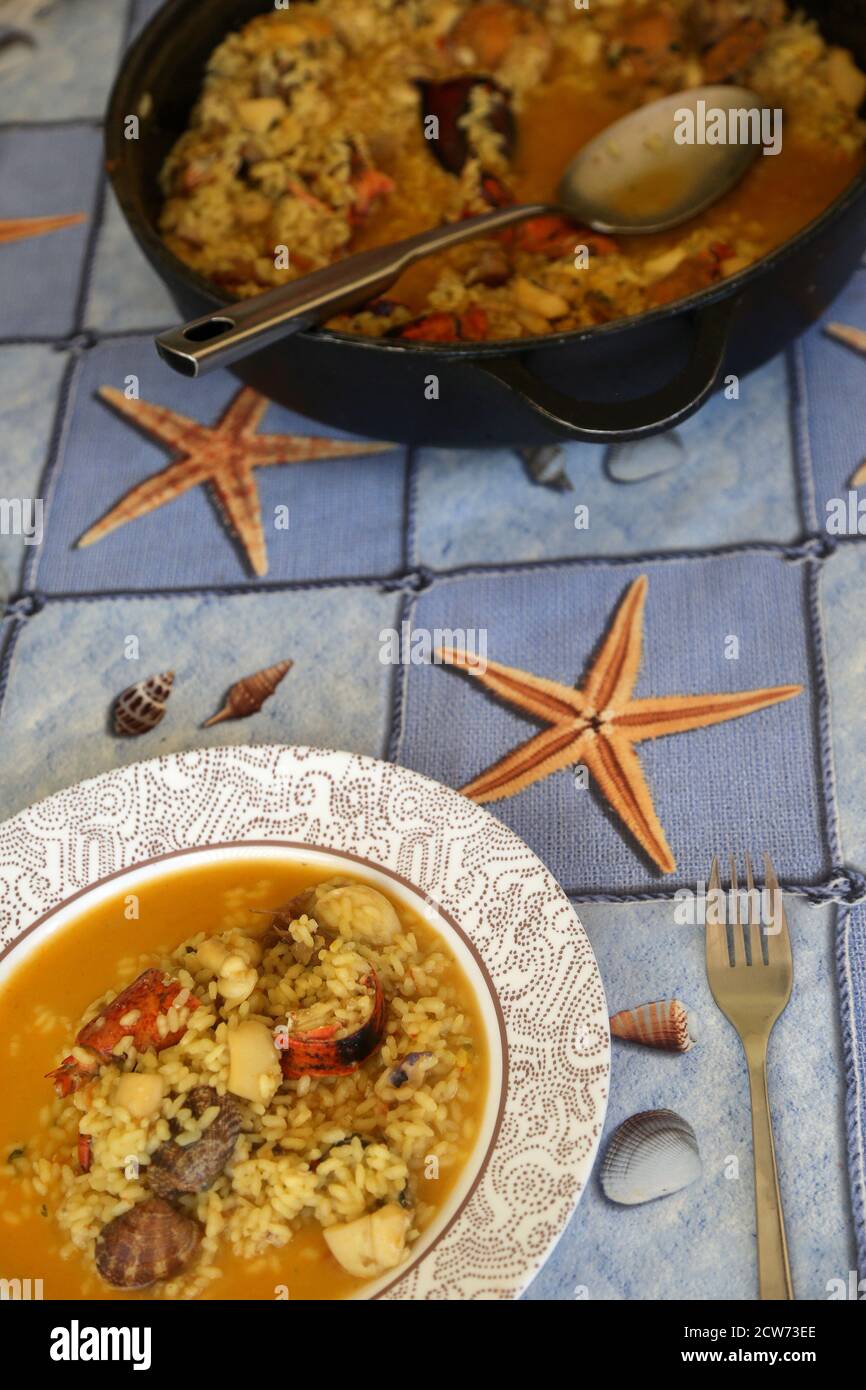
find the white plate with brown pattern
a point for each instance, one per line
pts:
(513, 931)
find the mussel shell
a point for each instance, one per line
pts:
(448, 100)
(176, 1168)
(150, 1241)
(650, 1155)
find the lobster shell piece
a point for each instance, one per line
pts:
(174, 1168)
(150, 1241)
(71, 1074)
(149, 996)
(667, 1024)
(318, 1053)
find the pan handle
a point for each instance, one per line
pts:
(603, 422)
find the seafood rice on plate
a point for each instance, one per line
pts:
(305, 1079)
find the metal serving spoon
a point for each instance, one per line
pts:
(632, 178)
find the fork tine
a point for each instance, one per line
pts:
(754, 927)
(716, 932)
(778, 941)
(738, 944)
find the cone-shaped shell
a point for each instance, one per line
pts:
(667, 1024)
(150, 1241)
(651, 1155)
(249, 693)
(140, 707)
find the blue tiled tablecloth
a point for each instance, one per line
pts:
(733, 541)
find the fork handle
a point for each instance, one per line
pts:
(774, 1271)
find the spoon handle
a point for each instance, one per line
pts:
(222, 336)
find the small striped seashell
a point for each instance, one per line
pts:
(667, 1024)
(650, 1155)
(140, 707)
(248, 694)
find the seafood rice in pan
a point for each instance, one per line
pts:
(333, 126)
(280, 1103)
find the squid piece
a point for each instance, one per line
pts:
(371, 1244)
(319, 1053)
(409, 1070)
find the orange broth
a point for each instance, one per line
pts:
(79, 963)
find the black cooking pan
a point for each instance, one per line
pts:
(616, 381)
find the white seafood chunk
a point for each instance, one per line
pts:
(139, 1093)
(372, 1243)
(358, 912)
(254, 1065)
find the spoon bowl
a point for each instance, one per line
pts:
(636, 177)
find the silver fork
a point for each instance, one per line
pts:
(752, 992)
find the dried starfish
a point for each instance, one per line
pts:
(20, 228)
(599, 724)
(223, 455)
(854, 338)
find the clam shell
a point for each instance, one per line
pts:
(150, 1241)
(174, 1168)
(650, 1155)
(667, 1024)
(140, 707)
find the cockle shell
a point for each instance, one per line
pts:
(650, 1155)
(150, 1241)
(248, 694)
(140, 707)
(667, 1024)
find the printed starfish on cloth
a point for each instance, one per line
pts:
(599, 724)
(20, 228)
(854, 338)
(222, 455)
